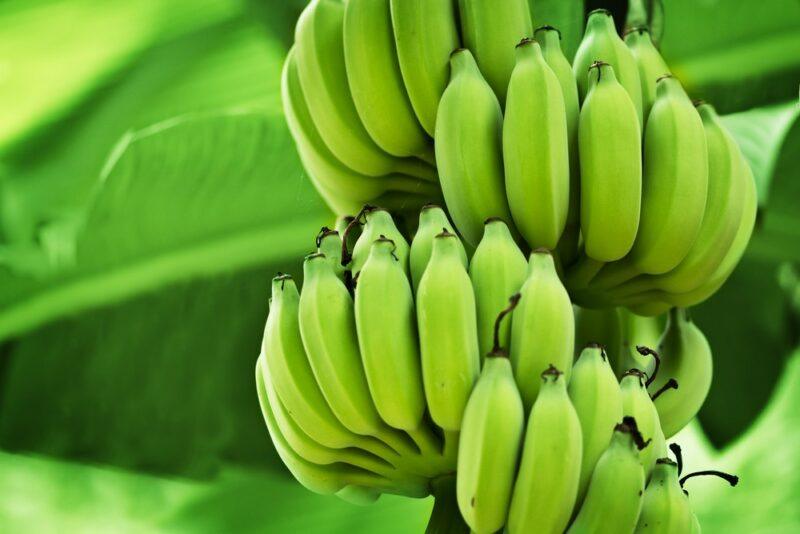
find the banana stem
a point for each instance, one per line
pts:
(427, 442)
(583, 272)
(445, 517)
(451, 445)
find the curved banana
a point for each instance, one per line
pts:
(550, 40)
(491, 29)
(358, 495)
(319, 44)
(636, 403)
(432, 221)
(497, 270)
(614, 498)
(376, 82)
(597, 399)
(491, 438)
(638, 331)
(448, 334)
(665, 508)
(329, 243)
(378, 223)
(425, 33)
(611, 167)
(650, 63)
(542, 328)
(549, 473)
(686, 358)
(469, 149)
(601, 43)
(536, 149)
(343, 189)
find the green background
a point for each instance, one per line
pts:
(149, 189)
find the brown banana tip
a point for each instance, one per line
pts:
(430, 206)
(671, 384)
(733, 480)
(281, 277)
(314, 256)
(664, 77)
(525, 41)
(666, 461)
(600, 10)
(636, 29)
(492, 220)
(457, 51)
(551, 372)
(699, 102)
(637, 373)
(445, 233)
(597, 64)
(542, 250)
(512, 304)
(630, 426)
(548, 28)
(323, 233)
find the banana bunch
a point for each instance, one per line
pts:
(418, 368)
(644, 196)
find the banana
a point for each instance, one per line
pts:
(330, 244)
(543, 327)
(665, 508)
(343, 189)
(378, 222)
(696, 524)
(611, 168)
(536, 149)
(614, 498)
(675, 183)
(636, 403)
(491, 438)
(549, 473)
(638, 331)
(432, 221)
(497, 270)
(597, 399)
(550, 40)
(319, 43)
(358, 495)
(601, 43)
(448, 334)
(425, 33)
(469, 149)
(649, 62)
(686, 358)
(491, 29)
(600, 326)
(376, 82)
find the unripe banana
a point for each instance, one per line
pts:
(432, 221)
(376, 82)
(686, 358)
(597, 399)
(329, 243)
(665, 508)
(378, 223)
(543, 327)
(598, 326)
(425, 32)
(614, 498)
(491, 438)
(497, 270)
(547, 481)
(387, 337)
(491, 29)
(638, 331)
(358, 495)
(650, 63)
(319, 39)
(636, 403)
(675, 183)
(448, 334)
(696, 524)
(611, 168)
(536, 149)
(550, 40)
(601, 43)
(469, 149)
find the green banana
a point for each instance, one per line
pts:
(696, 525)
(448, 334)
(543, 327)
(491, 438)
(432, 221)
(597, 399)
(686, 358)
(491, 29)
(614, 499)
(611, 167)
(549, 473)
(378, 222)
(638, 331)
(376, 82)
(675, 183)
(319, 44)
(341, 187)
(665, 508)
(469, 149)
(536, 149)
(600, 326)
(649, 62)
(497, 270)
(636, 403)
(550, 40)
(329, 243)
(601, 43)
(425, 33)
(358, 495)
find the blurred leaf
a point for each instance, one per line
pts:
(566, 15)
(190, 197)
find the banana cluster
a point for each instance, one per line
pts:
(400, 365)
(644, 196)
